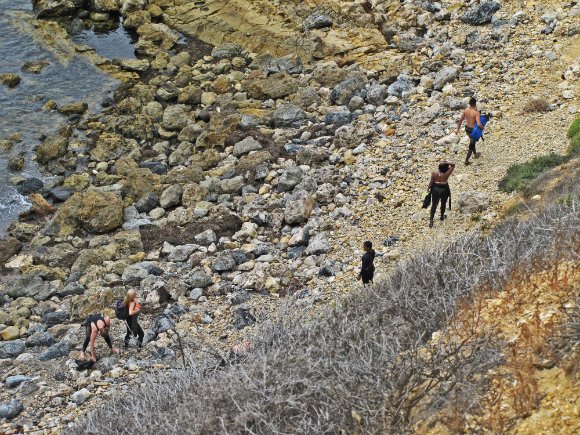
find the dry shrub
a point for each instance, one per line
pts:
(536, 105)
(367, 365)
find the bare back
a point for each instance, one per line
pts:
(471, 116)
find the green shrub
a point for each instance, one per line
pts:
(574, 147)
(518, 175)
(574, 129)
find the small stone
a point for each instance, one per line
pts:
(16, 380)
(81, 396)
(10, 333)
(9, 79)
(11, 410)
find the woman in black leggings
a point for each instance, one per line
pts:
(439, 188)
(133, 327)
(97, 324)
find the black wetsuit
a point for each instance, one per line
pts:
(133, 328)
(440, 192)
(94, 318)
(367, 270)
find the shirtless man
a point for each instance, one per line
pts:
(471, 116)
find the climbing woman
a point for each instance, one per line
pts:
(134, 309)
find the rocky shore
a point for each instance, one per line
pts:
(235, 172)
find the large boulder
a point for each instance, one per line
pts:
(108, 146)
(55, 8)
(275, 86)
(403, 84)
(198, 278)
(104, 5)
(175, 117)
(40, 339)
(376, 94)
(319, 244)
(472, 202)
(57, 350)
(444, 76)
(52, 148)
(481, 13)
(31, 286)
(9, 247)
(96, 212)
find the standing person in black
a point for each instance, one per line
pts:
(439, 188)
(97, 324)
(367, 269)
(133, 328)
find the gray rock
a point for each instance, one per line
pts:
(300, 237)
(355, 103)
(244, 318)
(16, 380)
(163, 324)
(444, 76)
(81, 396)
(182, 252)
(409, 42)
(223, 262)
(163, 353)
(338, 118)
(290, 178)
(147, 203)
(403, 84)
(60, 194)
(39, 339)
(288, 115)
(319, 244)
(171, 196)
(134, 274)
(472, 202)
(55, 318)
(298, 208)
(195, 294)
(239, 297)
(106, 364)
(345, 90)
(31, 286)
(481, 14)
(226, 51)
(30, 185)
(54, 8)
(27, 388)
(175, 117)
(206, 237)
(246, 145)
(198, 278)
(290, 64)
(232, 185)
(11, 349)
(72, 288)
(135, 224)
(57, 350)
(330, 268)
(376, 94)
(11, 410)
(317, 20)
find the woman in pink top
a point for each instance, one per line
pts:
(439, 188)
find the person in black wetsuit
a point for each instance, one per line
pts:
(133, 327)
(367, 270)
(97, 324)
(439, 188)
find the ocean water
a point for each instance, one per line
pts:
(64, 81)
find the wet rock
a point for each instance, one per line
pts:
(246, 145)
(55, 318)
(481, 14)
(319, 244)
(472, 202)
(154, 37)
(60, 194)
(9, 79)
(16, 163)
(81, 396)
(171, 196)
(57, 350)
(345, 90)
(77, 108)
(244, 318)
(52, 148)
(9, 246)
(30, 185)
(16, 380)
(11, 349)
(40, 339)
(290, 178)
(11, 410)
(288, 115)
(317, 20)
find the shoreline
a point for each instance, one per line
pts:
(178, 201)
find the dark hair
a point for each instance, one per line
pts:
(472, 101)
(443, 167)
(368, 244)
